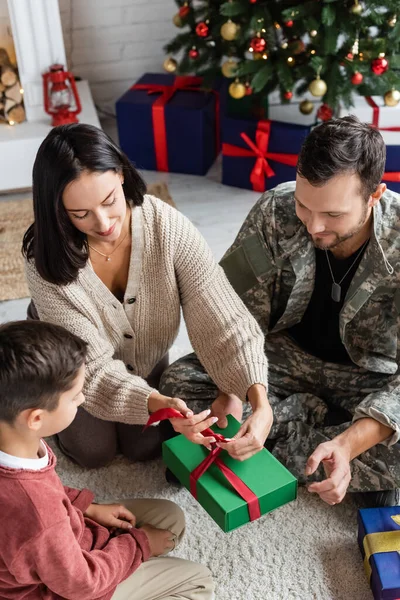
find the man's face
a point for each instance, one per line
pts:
(334, 212)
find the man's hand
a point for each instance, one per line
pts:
(251, 436)
(111, 516)
(192, 426)
(161, 541)
(335, 458)
(226, 404)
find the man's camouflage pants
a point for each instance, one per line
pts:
(313, 401)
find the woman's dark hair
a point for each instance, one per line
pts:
(343, 146)
(38, 362)
(57, 247)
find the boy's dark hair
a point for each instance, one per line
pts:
(38, 362)
(341, 146)
(58, 248)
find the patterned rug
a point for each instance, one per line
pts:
(15, 218)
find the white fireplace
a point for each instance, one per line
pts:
(38, 41)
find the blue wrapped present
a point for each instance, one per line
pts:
(168, 123)
(259, 155)
(391, 175)
(379, 541)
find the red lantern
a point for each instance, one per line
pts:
(357, 78)
(202, 29)
(258, 44)
(61, 99)
(325, 112)
(379, 65)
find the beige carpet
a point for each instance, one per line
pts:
(15, 218)
(305, 550)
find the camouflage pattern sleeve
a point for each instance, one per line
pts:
(383, 406)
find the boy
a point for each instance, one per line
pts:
(54, 542)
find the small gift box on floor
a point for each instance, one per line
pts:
(372, 109)
(259, 155)
(168, 123)
(379, 541)
(232, 492)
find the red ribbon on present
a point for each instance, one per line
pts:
(391, 176)
(187, 83)
(238, 485)
(259, 149)
(375, 116)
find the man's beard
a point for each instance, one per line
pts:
(339, 239)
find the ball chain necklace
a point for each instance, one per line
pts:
(108, 256)
(336, 290)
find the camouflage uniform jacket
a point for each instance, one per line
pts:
(271, 265)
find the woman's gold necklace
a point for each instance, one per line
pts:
(108, 256)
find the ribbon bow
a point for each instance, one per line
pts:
(259, 149)
(375, 116)
(213, 457)
(158, 112)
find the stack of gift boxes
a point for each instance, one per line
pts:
(171, 123)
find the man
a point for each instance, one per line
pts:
(317, 263)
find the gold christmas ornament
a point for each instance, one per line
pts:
(170, 65)
(392, 21)
(313, 33)
(356, 9)
(392, 98)
(228, 68)
(306, 107)
(177, 20)
(318, 87)
(229, 30)
(237, 90)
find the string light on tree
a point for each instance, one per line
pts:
(290, 61)
(313, 33)
(380, 65)
(229, 31)
(392, 21)
(237, 90)
(392, 98)
(170, 65)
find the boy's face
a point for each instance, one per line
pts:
(56, 420)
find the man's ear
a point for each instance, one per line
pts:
(377, 195)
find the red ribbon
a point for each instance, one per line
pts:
(394, 176)
(375, 116)
(213, 457)
(259, 149)
(158, 112)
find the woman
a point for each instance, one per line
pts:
(115, 266)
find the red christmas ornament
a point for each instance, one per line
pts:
(252, 1)
(357, 78)
(325, 112)
(289, 23)
(379, 66)
(202, 29)
(349, 56)
(288, 95)
(258, 44)
(249, 89)
(194, 53)
(184, 11)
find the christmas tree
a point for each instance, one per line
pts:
(330, 47)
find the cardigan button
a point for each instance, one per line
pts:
(131, 300)
(129, 367)
(128, 336)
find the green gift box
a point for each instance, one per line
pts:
(270, 481)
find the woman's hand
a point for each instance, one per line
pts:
(192, 426)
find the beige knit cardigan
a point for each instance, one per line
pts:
(171, 266)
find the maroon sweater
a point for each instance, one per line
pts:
(49, 550)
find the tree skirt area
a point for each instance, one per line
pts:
(305, 550)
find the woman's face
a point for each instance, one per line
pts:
(96, 204)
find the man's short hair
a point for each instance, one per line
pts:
(341, 146)
(38, 362)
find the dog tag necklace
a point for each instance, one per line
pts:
(336, 290)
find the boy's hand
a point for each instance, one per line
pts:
(160, 540)
(111, 516)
